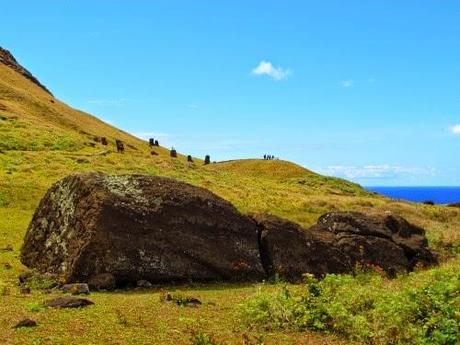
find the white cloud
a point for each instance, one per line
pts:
(455, 129)
(383, 171)
(347, 83)
(266, 68)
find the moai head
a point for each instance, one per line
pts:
(173, 153)
(189, 159)
(207, 159)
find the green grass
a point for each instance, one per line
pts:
(42, 142)
(419, 308)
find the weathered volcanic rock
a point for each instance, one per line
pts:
(67, 302)
(25, 323)
(139, 227)
(76, 289)
(290, 251)
(339, 242)
(384, 240)
(102, 282)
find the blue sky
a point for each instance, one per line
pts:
(366, 90)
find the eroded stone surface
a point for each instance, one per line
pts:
(139, 228)
(290, 251)
(385, 238)
(67, 302)
(117, 231)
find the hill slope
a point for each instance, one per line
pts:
(43, 140)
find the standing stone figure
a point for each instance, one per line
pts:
(156, 143)
(120, 146)
(173, 153)
(104, 141)
(189, 159)
(151, 142)
(207, 160)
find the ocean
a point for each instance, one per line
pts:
(439, 195)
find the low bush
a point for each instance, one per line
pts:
(202, 338)
(419, 308)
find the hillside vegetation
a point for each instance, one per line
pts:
(42, 140)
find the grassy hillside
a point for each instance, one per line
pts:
(42, 140)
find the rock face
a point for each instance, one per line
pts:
(385, 240)
(139, 227)
(8, 59)
(102, 282)
(289, 251)
(339, 242)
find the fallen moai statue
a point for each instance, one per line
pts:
(139, 227)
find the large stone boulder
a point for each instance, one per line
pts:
(139, 227)
(112, 231)
(384, 240)
(289, 251)
(340, 242)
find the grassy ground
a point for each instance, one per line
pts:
(43, 140)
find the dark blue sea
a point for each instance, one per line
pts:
(439, 195)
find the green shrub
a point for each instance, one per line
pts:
(202, 338)
(420, 308)
(35, 307)
(37, 281)
(63, 143)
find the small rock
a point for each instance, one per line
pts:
(67, 302)
(7, 248)
(24, 290)
(25, 323)
(102, 281)
(145, 284)
(76, 289)
(7, 266)
(192, 302)
(24, 277)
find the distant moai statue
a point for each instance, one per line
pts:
(120, 146)
(151, 142)
(97, 139)
(207, 160)
(156, 143)
(173, 153)
(189, 159)
(104, 141)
